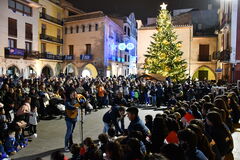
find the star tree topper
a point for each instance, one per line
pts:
(163, 6)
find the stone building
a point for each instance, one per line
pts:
(98, 44)
(31, 36)
(19, 37)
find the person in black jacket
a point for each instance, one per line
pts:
(111, 118)
(219, 133)
(136, 123)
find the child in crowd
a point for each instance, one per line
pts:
(75, 150)
(10, 143)
(3, 154)
(33, 115)
(20, 140)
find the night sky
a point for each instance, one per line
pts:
(141, 8)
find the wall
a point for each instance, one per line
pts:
(211, 41)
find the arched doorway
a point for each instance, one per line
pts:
(70, 70)
(13, 71)
(90, 71)
(47, 71)
(204, 73)
(31, 72)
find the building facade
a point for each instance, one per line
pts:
(19, 37)
(198, 51)
(31, 37)
(228, 39)
(98, 44)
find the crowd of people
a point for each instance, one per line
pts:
(196, 124)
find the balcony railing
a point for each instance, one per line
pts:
(51, 19)
(51, 38)
(31, 55)
(204, 58)
(222, 56)
(20, 53)
(51, 56)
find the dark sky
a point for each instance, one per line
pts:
(141, 8)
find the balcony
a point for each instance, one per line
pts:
(68, 57)
(50, 56)
(17, 53)
(204, 58)
(86, 57)
(51, 19)
(31, 55)
(222, 56)
(51, 38)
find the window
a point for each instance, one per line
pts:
(125, 58)
(58, 33)
(27, 11)
(43, 10)
(199, 27)
(28, 47)
(12, 43)
(204, 52)
(12, 27)
(71, 49)
(128, 32)
(44, 27)
(66, 30)
(11, 4)
(43, 47)
(71, 30)
(19, 7)
(77, 29)
(58, 49)
(83, 28)
(88, 48)
(128, 58)
(28, 31)
(90, 28)
(96, 27)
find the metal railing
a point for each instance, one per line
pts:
(51, 19)
(222, 56)
(51, 38)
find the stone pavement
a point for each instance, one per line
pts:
(51, 136)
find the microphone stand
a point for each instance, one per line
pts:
(81, 125)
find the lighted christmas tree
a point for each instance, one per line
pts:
(164, 56)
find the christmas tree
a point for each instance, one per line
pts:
(164, 56)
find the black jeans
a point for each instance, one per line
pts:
(33, 129)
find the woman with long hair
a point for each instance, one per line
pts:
(159, 133)
(219, 133)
